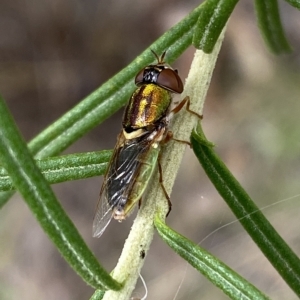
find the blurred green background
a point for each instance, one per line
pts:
(54, 53)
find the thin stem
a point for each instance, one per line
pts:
(140, 237)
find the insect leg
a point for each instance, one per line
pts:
(162, 184)
(174, 111)
(169, 136)
(178, 108)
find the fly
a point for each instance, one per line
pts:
(145, 126)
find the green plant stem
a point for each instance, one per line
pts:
(141, 234)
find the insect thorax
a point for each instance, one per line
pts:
(147, 105)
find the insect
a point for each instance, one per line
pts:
(145, 127)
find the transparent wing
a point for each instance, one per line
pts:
(119, 179)
(102, 217)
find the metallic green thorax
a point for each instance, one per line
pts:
(147, 105)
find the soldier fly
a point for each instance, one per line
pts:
(145, 127)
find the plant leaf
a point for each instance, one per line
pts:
(295, 3)
(258, 227)
(211, 21)
(232, 284)
(270, 26)
(98, 295)
(26, 177)
(66, 168)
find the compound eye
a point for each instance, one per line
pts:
(170, 80)
(139, 78)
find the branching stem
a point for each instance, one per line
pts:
(141, 234)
